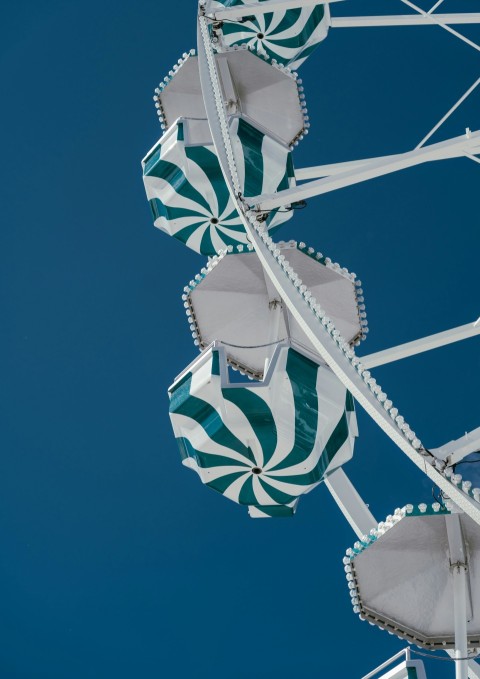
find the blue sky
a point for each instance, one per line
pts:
(116, 561)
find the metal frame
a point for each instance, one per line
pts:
(400, 671)
(239, 11)
(346, 174)
(459, 569)
(440, 339)
(324, 340)
(454, 451)
(350, 503)
(319, 336)
(405, 20)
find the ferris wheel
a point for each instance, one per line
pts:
(222, 179)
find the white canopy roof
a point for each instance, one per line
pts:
(404, 582)
(253, 89)
(236, 304)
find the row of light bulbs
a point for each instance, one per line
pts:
(284, 69)
(317, 256)
(402, 426)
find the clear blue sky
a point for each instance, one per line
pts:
(115, 560)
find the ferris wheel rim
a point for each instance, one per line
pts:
(264, 247)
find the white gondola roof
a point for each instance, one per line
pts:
(264, 95)
(235, 303)
(402, 581)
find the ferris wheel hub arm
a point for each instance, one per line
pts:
(454, 451)
(428, 343)
(404, 20)
(363, 171)
(350, 503)
(239, 11)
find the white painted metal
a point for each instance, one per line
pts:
(473, 670)
(440, 339)
(316, 333)
(237, 12)
(458, 567)
(400, 671)
(404, 581)
(454, 451)
(449, 113)
(405, 652)
(243, 78)
(274, 316)
(444, 26)
(317, 171)
(405, 20)
(350, 503)
(473, 667)
(468, 155)
(451, 148)
(435, 6)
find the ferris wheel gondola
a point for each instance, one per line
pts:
(288, 36)
(267, 443)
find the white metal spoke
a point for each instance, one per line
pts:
(305, 173)
(473, 670)
(455, 451)
(440, 339)
(350, 503)
(458, 561)
(444, 26)
(239, 11)
(435, 6)
(323, 336)
(449, 113)
(469, 155)
(407, 20)
(473, 667)
(376, 167)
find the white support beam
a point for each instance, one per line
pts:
(377, 167)
(435, 6)
(350, 503)
(459, 570)
(405, 20)
(449, 113)
(473, 670)
(454, 451)
(317, 171)
(444, 26)
(474, 158)
(440, 339)
(239, 11)
(473, 667)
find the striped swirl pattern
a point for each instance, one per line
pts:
(288, 36)
(188, 195)
(263, 445)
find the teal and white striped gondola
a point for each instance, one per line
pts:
(187, 192)
(266, 443)
(289, 36)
